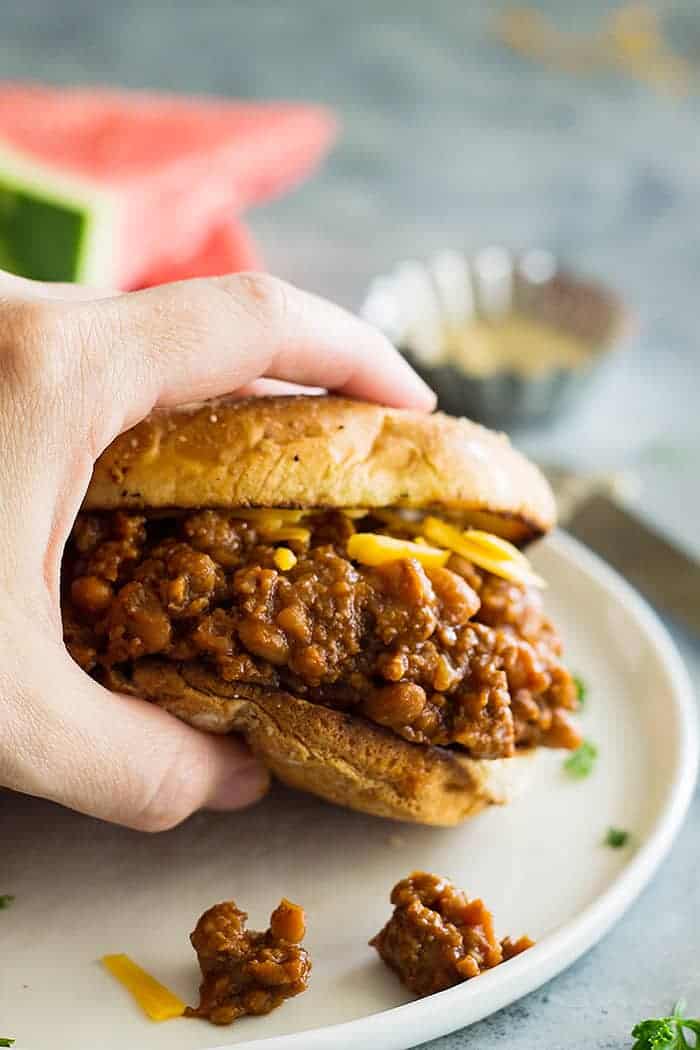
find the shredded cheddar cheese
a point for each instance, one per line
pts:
(156, 1001)
(395, 519)
(355, 512)
(292, 532)
(276, 517)
(485, 550)
(284, 559)
(370, 548)
(433, 540)
(497, 547)
(270, 517)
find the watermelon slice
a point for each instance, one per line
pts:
(228, 248)
(103, 186)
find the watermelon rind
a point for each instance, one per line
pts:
(55, 226)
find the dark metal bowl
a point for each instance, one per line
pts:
(414, 303)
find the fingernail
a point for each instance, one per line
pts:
(424, 397)
(428, 396)
(243, 786)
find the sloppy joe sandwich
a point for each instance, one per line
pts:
(340, 582)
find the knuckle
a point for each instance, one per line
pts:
(33, 352)
(263, 295)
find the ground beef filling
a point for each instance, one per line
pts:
(245, 972)
(436, 938)
(447, 656)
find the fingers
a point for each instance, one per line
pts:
(276, 388)
(116, 757)
(205, 338)
(319, 344)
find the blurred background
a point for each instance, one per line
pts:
(563, 126)
(566, 127)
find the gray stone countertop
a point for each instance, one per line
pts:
(449, 140)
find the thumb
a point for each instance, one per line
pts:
(113, 756)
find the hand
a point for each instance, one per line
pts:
(76, 369)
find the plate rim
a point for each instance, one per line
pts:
(564, 946)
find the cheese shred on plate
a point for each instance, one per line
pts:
(156, 1001)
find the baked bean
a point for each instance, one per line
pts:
(91, 594)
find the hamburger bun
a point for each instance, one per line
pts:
(326, 453)
(339, 757)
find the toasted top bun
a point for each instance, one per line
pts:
(323, 452)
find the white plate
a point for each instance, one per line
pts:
(84, 889)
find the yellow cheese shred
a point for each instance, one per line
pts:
(395, 519)
(269, 517)
(355, 512)
(370, 548)
(156, 1001)
(276, 517)
(284, 559)
(291, 532)
(488, 551)
(485, 550)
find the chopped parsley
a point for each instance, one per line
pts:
(7, 1042)
(667, 1033)
(616, 838)
(6, 900)
(580, 763)
(581, 690)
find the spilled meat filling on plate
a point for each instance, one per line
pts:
(244, 971)
(437, 937)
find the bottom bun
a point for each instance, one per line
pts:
(340, 757)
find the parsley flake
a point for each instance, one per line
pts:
(616, 838)
(580, 763)
(6, 900)
(581, 690)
